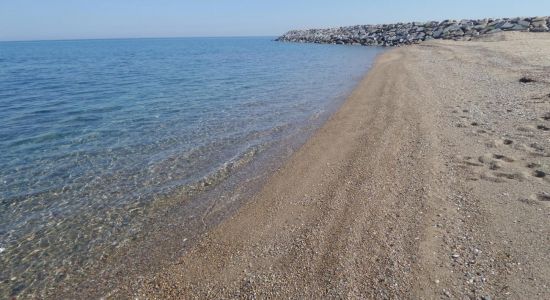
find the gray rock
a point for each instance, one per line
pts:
(543, 28)
(451, 28)
(410, 33)
(499, 24)
(483, 22)
(458, 33)
(540, 23)
(467, 27)
(524, 23)
(437, 34)
(507, 26)
(519, 27)
(479, 27)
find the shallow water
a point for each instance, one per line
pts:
(94, 132)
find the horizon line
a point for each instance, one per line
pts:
(133, 38)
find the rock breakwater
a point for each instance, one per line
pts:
(415, 32)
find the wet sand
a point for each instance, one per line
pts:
(429, 182)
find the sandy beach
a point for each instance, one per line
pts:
(431, 181)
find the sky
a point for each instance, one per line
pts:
(93, 19)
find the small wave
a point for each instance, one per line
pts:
(43, 138)
(225, 170)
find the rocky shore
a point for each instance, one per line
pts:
(412, 33)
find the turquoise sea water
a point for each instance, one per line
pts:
(93, 132)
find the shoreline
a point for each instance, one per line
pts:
(425, 183)
(194, 210)
(148, 211)
(271, 200)
(388, 199)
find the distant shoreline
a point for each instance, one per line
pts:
(136, 38)
(415, 32)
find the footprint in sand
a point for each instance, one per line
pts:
(538, 170)
(538, 149)
(500, 168)
(513, 176)
(526, 79)
(489, 158)
(503, 158)
(537, 146)
(468, 160)
(535, 199)
(539, 174)
(527, 128)
(499, 143)
(543, 196)
(543, 128)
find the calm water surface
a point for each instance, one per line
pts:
(92, 133)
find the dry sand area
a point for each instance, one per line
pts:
(431, 182)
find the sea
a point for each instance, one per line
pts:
(107, 146)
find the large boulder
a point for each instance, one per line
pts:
(539, 23)
(507, 26)
(437, 34)
(519, 27)
(451, 28)
(524, 23)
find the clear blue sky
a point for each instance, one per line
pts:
(69, 19)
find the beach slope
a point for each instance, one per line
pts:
(430, 181)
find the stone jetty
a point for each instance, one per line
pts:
(415, 32)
